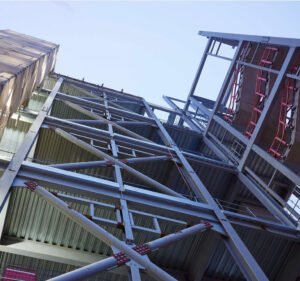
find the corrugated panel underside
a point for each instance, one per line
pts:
(52, 148)
(30, 217)
(265, 171)
(184, 138)
(270, 253)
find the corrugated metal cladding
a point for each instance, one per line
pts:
(270, 252)
(13, 136)
(30, 217)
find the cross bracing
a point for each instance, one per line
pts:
(105, 175)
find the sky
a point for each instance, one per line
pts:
(147, 48)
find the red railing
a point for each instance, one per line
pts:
(236, 85)
(283, 139)
(260, 94)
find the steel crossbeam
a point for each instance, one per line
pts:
(262, 196)
(235, 245)
(99, 153)
(120, 258)
(103, 189)
(99, 232)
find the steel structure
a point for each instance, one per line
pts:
(99, 188)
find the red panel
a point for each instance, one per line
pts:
(19, 273)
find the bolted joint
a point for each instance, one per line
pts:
(52, 128)
(117, 207)
(109, 163)
(89, 217)
(143, 249)
(31, 185)
(121, 258)
(125, 161)
(207, 225)
(189, 224)
(54, 193)
(121, 226)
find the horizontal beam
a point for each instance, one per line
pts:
(104, 120)
(134, 143)
(99, 232)
(96, 164)
(168, 205)
(222, 37)
(100, 266)
(231, 129)
(199, 105)
(99, 153)
(101, 107)
(277, 165)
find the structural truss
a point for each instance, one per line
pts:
(102, 189)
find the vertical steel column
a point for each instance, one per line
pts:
(196, 79)
(134, 272)
(267, 106)
(12, 170)
(225, 85)
(234, 244)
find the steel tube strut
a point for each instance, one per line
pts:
(15, 164)
(96, 164)
(235, 245)
(158, 186)
(112, 262)
(99, 232)
(196, 79)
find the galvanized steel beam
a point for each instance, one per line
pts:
(235, 245)
(111, 262)
(96, 164)
(99, 232)
(196, 79)
(99, 153)
(99, 188)
(12, 170)
(225, 86)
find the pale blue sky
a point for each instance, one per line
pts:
(146, 48)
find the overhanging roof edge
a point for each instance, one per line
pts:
(232, 38)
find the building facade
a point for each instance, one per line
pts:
(95, 186)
